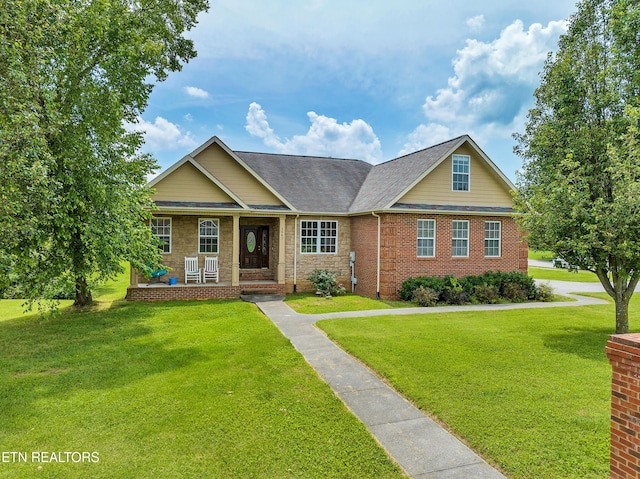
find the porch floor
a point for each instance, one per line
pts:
(243, 283)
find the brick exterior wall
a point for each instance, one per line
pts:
(165, 293)
(623, 352)
(398, 250)
(364, 236)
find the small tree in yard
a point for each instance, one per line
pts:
(73, 195)
(579, 190)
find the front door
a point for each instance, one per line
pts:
(254, 247)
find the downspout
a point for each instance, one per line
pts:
(295, 255)
(378, 262)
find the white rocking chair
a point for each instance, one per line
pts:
(210, 270)
(191, 271)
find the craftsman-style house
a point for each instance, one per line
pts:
(271, 219)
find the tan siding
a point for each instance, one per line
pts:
(486, 187)
(235, 177)
(188, 184)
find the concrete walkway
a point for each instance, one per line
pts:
(422, 447)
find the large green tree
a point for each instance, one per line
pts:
(73, 74)
(578, 188)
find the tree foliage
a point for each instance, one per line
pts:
(73, 195)
(577, 191)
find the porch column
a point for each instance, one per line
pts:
(235, 263)
(281, 250)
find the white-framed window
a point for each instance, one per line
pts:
(319, 237)
(208, 235)
(492, 233)
(460, 172)
(161, 229)
(426, 238)
(460, 238)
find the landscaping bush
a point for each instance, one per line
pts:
(454, 292)
(425, 296)
(514, 292)
(488, 288)
(486, 293)
(545, 292)
(326, 283)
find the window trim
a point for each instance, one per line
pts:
(318, 237)
(498, 239)
(170, 242)
(217, 222)
(433, 221)
(460, 239)
(468, 174)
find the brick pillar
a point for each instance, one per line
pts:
(623, 351)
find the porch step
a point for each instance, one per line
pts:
(258, 296)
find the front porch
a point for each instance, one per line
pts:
(250, 249)
(221, 290)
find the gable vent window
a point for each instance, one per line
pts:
(461, 172)
(319, 237)
(161, 229)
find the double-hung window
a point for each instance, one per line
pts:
(460, 238)
(460, 174)
(161, 229)
(208, 235)
(426, 238)
(492, 238)
(319, 237)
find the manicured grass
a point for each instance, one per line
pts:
(529, 390)
(172, 390)
(540, 255)
(563, 275)
(309, 303)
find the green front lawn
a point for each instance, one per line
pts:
(530, 390)
(563, 275)
(171, 390)
(309, 303)
(540, 255)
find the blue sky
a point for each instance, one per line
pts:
(344, 78)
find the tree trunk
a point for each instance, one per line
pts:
(622, 314)
(83, 294)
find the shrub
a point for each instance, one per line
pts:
(514, 292)
(410, 285)
(454, 292)
(326, 283)
(523, 283)
(425, 296)
(545, 292)
(486, 293)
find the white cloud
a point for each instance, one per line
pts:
(494, 81)
(196, 92)
(425, 136)
(162, 134)
(475, 23)
(326, 137)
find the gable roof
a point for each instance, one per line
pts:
(321, 185)
(387, 181)
(311, 184)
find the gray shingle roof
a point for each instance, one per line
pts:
(330, 185)
(310, 184)
(387, 180)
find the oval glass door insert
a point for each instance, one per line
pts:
(251, 241)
